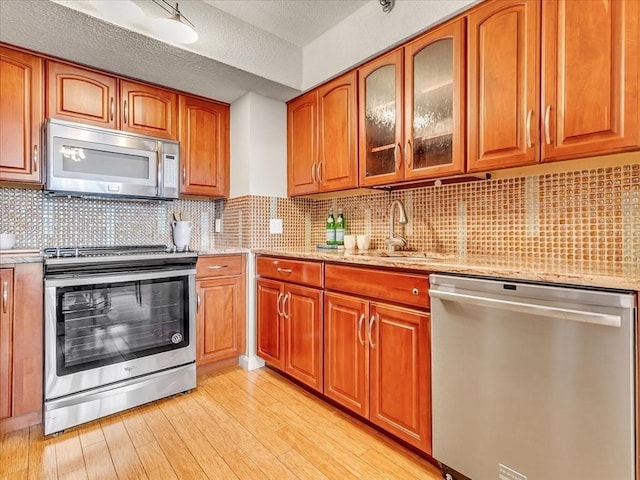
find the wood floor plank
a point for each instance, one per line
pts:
(123, 453)
(244, 468)
(315, 455)
(302, 467)
(14, 448)
(155, 464)
(205, 454)
(42, 455)
(97, 460)
(69, 455)
(136, 428)
(182, 461)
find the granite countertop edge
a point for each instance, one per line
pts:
(582, 273)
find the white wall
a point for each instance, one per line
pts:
(258, 147)
(369, 31)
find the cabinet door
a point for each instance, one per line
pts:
(346, 352)
(80, 95)
(400, 400)
(220, 332)
(204, 147)
(270, 329)
(148, 110)
(21, 116)
(590, 77)
(337, 134)
(27, 341)
(434, 103)
(302, 144)
(6, 341)
(302, 309)
(504, 86)
(380, 120)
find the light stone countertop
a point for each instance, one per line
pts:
(547, 270)
(224, 251)
(13, 256)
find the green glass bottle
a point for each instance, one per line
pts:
(340, 228)
(331, 229)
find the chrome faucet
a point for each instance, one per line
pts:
(396, 240)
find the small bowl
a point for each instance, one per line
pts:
(7, 241)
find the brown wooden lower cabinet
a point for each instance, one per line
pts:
(290, 329)
(290, 318)
(21, 346)
(359, 335)
(221, 314)
(377, 364)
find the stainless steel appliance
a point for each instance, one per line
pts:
(87, 160)
(119, 330)
(533, 381)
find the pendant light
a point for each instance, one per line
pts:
(176, 28)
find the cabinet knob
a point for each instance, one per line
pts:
(415, 291)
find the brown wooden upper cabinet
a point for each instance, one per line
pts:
(503, 84)
(204, 147)
(82, 95)
(580, 98)
(411, 114)
(21, 115)
(322, 138)
(590, 78)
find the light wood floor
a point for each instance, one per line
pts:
(235, 425)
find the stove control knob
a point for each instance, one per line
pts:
(176, 337)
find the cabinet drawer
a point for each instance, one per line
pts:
(294, 271)
(219, 266)
(398, 287)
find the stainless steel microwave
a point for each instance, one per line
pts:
(92, 161)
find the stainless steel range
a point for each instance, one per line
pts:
(119, 330)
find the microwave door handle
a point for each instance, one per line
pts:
(159, 165)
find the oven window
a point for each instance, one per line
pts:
(109, 323)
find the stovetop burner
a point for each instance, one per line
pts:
(105, 251)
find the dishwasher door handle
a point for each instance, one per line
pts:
(542, 310)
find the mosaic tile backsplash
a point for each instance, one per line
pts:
(589, 215)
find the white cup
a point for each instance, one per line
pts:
(181, 234)
(349, 242)
(363, 242)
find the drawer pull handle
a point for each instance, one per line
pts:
(5, 296)
(218, 267)
(528, 129)
(359, 328)
(284, 302)
(278, 304)
(547, 130)
(415, 291)
(35, 158)
(284, 271)
(197, 303)
(371, 320)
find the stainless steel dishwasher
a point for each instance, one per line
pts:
(531, 381)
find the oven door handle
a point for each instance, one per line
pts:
(59, 281)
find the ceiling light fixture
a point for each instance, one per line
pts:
(387, 5)
(177, 28)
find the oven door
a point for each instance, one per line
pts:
(108, 328)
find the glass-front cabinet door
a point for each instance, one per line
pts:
(380, 94)
(434, 103)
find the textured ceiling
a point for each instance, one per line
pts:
(296, 21)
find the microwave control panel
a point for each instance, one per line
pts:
(170, 171)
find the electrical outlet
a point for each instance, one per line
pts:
(218, 225)
(275, 225)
